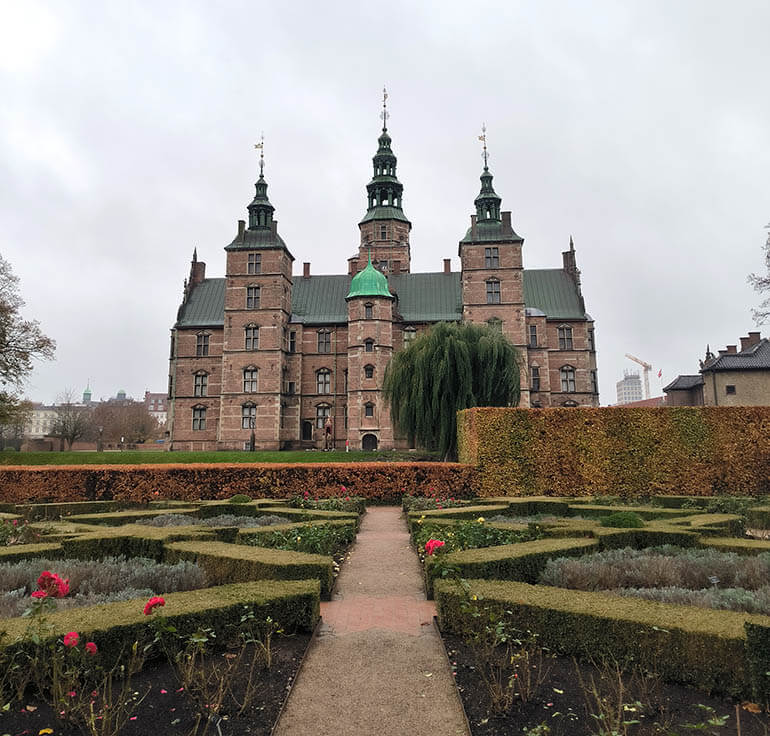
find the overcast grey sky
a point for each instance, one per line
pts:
(127, 132)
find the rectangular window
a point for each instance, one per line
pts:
(292, 342)
(533, 336)
(594, 383)
(383, 232)
(248, 417)
(201, 384)
(252, 297)
(491, 258)
(730, 389)
(199, 418)
(252, 338)
(565, 338)
(170, 386)
(201, 345)
(567, 379)
(255, 263)
(324, 341)
(250, 380)
(493, 291)
(369, 410)
(368, 311)
(323, 382)
(290, 387)
(409, 334)
(591, 340)
(535, 378)
(321, 415)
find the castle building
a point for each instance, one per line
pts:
(265, 358)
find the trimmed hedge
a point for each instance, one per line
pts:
(377, 481)
(703, 648)
(758, 656)
(523, 561)
(618, 451)
(295, 605)
(758, 517)
(224, 563)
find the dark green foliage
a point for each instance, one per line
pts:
(240, 498)
(647, 537)
(758, 656)
(623, 520)
(698, 647)
(472, 535)
(758, 517)
(318, 539)
(448, 368)
(354, 504)
(430, 503)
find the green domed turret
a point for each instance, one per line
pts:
(369, 282)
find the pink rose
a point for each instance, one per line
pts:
(39, 594)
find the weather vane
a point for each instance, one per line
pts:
(261, 148)
(384, 114)
(483, 138)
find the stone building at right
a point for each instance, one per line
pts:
(731, 378)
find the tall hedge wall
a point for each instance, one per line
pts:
(618, 451)
(377, 481)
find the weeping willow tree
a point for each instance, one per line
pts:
(450, 367)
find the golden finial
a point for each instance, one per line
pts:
(261, 148)
(483, 138)
(384, 114)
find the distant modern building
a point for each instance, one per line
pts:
(266, 356)
(731, 378)
(630, 388)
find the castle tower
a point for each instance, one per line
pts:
(370, 348)
(385, 228)
(491, 269)
(258, 283)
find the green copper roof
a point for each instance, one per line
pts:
(420, 297)
(552, 291)
(385, 212)
(369, 282)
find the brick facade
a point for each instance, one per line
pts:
(273, 354)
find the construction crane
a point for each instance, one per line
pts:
(647, 368)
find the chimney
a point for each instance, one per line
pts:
(447, 265)
(722, 352)
(507, 223)
(197, 272)
(473, 226)
(754, 338)
(745, 343)
(396, 266)
(306, 270)
(731, 350)
(241, 229)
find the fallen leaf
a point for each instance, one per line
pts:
(751, 707)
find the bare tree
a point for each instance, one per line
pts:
(21, 341)
(125, 419)
(73, 420)
(13, 423)
(761, 284)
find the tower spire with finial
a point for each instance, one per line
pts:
(483, 139)
(384, 114)
(261, 148)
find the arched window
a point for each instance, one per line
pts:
(565, 337)
(493, 291)
(569, 403)
(369, 371)
(251, 337)
(368, 409)
(567, 373)
(248, 416)
(201, 384)
(322, 412)
(369, 346)
(323, 381)
(250, 379)
(324, 341)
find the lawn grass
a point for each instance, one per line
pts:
(137, 457)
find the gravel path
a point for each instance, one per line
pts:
(376, 666)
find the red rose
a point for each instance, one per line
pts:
(91, 648)
(71, 639)
(432, 545)
(152, 604)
